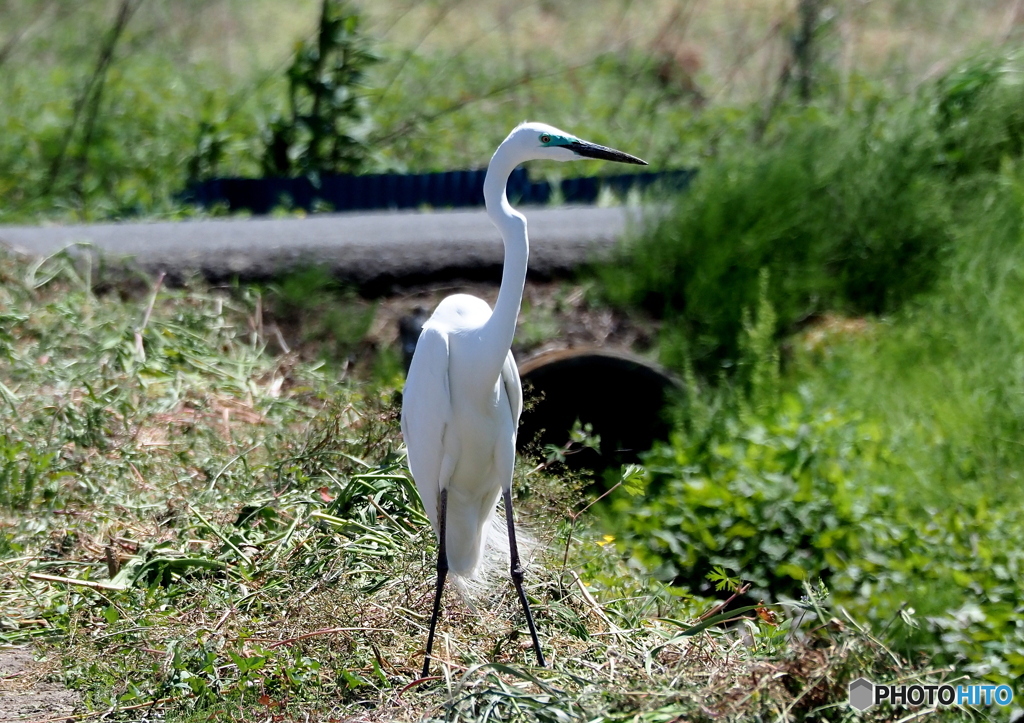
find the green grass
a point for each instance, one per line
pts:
(883, 250)
(257, 547)
(945, 374)
(192, 89)
(238, 500)
(843, 209)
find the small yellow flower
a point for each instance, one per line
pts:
(606, 540)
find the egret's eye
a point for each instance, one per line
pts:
(545, 138)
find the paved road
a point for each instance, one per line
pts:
(369, 249)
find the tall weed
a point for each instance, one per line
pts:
(947, 375)
(890, 464)
(845, 210)
(136, 160)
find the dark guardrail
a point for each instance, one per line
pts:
(449, 189)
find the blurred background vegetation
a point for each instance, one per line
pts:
(108, 108)
(840, 288)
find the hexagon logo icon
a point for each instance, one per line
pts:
(862, 694)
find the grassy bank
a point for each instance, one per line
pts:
(845, 298)
(192, 524)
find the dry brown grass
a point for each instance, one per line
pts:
(735, 49)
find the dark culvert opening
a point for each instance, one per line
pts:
(621, 395)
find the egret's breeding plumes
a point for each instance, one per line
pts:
(462, 396)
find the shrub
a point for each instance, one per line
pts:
(779, 499)
(979, 114)
(805, 492)
(844, 210)
(851, 211)
(324, 131)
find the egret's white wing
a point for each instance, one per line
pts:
(426, 414)
(513, 388)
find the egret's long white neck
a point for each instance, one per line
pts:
(498, 332)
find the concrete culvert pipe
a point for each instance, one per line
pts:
(621, 395)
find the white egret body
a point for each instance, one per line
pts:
(463, 398)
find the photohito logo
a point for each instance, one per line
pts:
(864, 694)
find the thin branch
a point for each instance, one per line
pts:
(440, 15)
(91, 93)
(91, 584)
(742, 590)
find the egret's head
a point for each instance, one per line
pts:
(541, 141)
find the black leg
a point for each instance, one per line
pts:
(442, 573)
(517, 575)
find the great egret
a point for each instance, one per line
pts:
(462, 396)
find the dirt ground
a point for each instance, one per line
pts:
(25, 695)
(555, 315)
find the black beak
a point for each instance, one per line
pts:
(592, 150)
